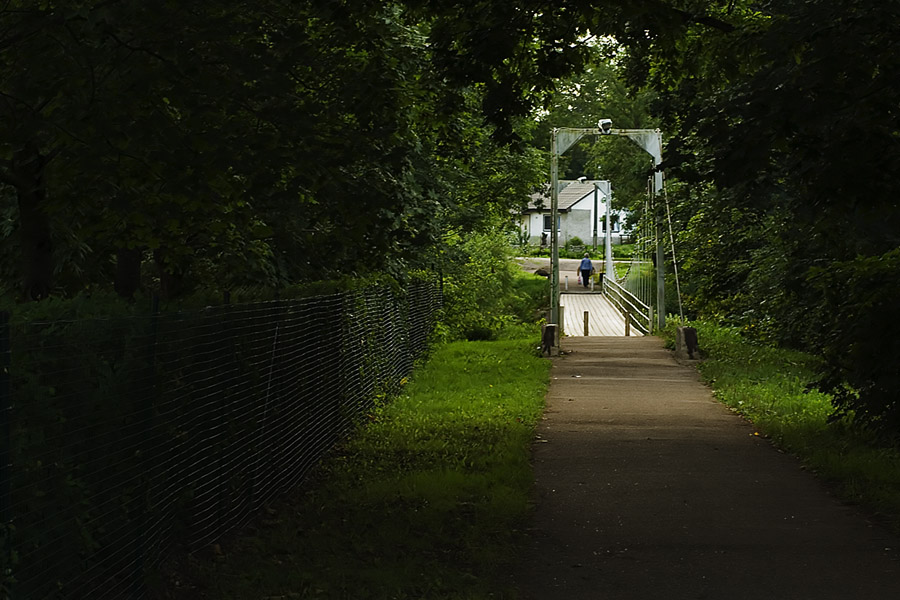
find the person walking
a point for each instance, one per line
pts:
(587, 269)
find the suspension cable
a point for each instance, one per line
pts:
(672, 242)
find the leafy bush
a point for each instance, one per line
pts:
(484, 291)
(861, 338)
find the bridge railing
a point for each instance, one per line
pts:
(640, 280)
(629, 304)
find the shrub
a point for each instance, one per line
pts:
(860, 338)
(484, 290)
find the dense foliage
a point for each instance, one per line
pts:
(216, 144)
(578, 101)
(785, 132)
(486, 294)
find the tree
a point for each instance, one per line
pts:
(794, 132)
(109, 129)
(232, 144)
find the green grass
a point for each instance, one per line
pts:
(771, 387)
(621, 251)
(528, 304)
(426, 501)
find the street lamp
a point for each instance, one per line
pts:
(604, 188)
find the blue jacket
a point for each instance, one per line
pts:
(586, 264)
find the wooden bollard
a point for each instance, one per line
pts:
(627, 323)
(587, 319)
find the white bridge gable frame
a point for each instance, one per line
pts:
(563, 138)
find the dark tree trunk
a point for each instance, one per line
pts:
(128, 272)
(34, 225)
(171, 278)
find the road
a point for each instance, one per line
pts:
(647, 487)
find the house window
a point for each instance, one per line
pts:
(547, 222)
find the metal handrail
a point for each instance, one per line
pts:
(629, 304)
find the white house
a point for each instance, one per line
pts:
(576, 214)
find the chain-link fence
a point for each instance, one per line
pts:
(125, 440)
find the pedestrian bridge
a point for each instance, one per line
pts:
(592, 313)
(603, 318)
(606, 304)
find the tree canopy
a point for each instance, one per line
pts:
(230, 143)
(177, 146)
(784, 130)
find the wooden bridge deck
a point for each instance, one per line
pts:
(603, 320)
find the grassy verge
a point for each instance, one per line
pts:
(770, 387)
(426, 501)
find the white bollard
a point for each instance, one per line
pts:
(561, 330)
(567, 283)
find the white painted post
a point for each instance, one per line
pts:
(567, 283)
(607, 240)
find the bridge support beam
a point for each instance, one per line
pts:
(563, 138)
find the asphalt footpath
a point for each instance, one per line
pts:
(647, 487)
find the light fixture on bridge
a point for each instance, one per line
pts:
(605, 126)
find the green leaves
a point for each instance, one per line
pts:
(789, 122)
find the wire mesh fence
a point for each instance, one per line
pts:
(124, 440)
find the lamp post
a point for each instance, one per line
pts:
(563, 138)
(607, 243)
(604, 187)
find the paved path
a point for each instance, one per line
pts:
(648, 488)
(603, 317)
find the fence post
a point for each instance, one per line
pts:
(224, 333)
(587, 317)
(146, 418)
(627, 323)
(5, 450)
